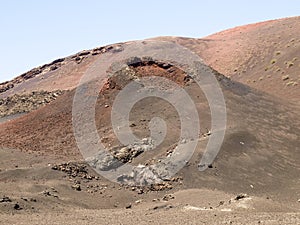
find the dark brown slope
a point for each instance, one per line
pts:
(260, 154)
(264, 55)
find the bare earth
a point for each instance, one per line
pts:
(255, 178)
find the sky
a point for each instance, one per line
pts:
(35, 32)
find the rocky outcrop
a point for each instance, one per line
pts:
(56, 64)
(27, 102)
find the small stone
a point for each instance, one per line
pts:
(240, 196)
(76, 187)
(84, 53)
(138, 201)
(140, 191)
(128, 206)
(168, 197)
(54, 67)
(145, 140)
(17, 207)
(55, 167)
(124, 150)
(53, 189)
(286, 77)
(5, 199)
(25, 199)
(162, 207)
(221, 203)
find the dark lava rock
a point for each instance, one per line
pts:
(240, 196)
(76, 187)
(17, 207)
(5, 199)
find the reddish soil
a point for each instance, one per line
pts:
(264, 56)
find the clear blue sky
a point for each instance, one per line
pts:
(36, 32)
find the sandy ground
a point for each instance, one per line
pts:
(170, 216)
(26, 177)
